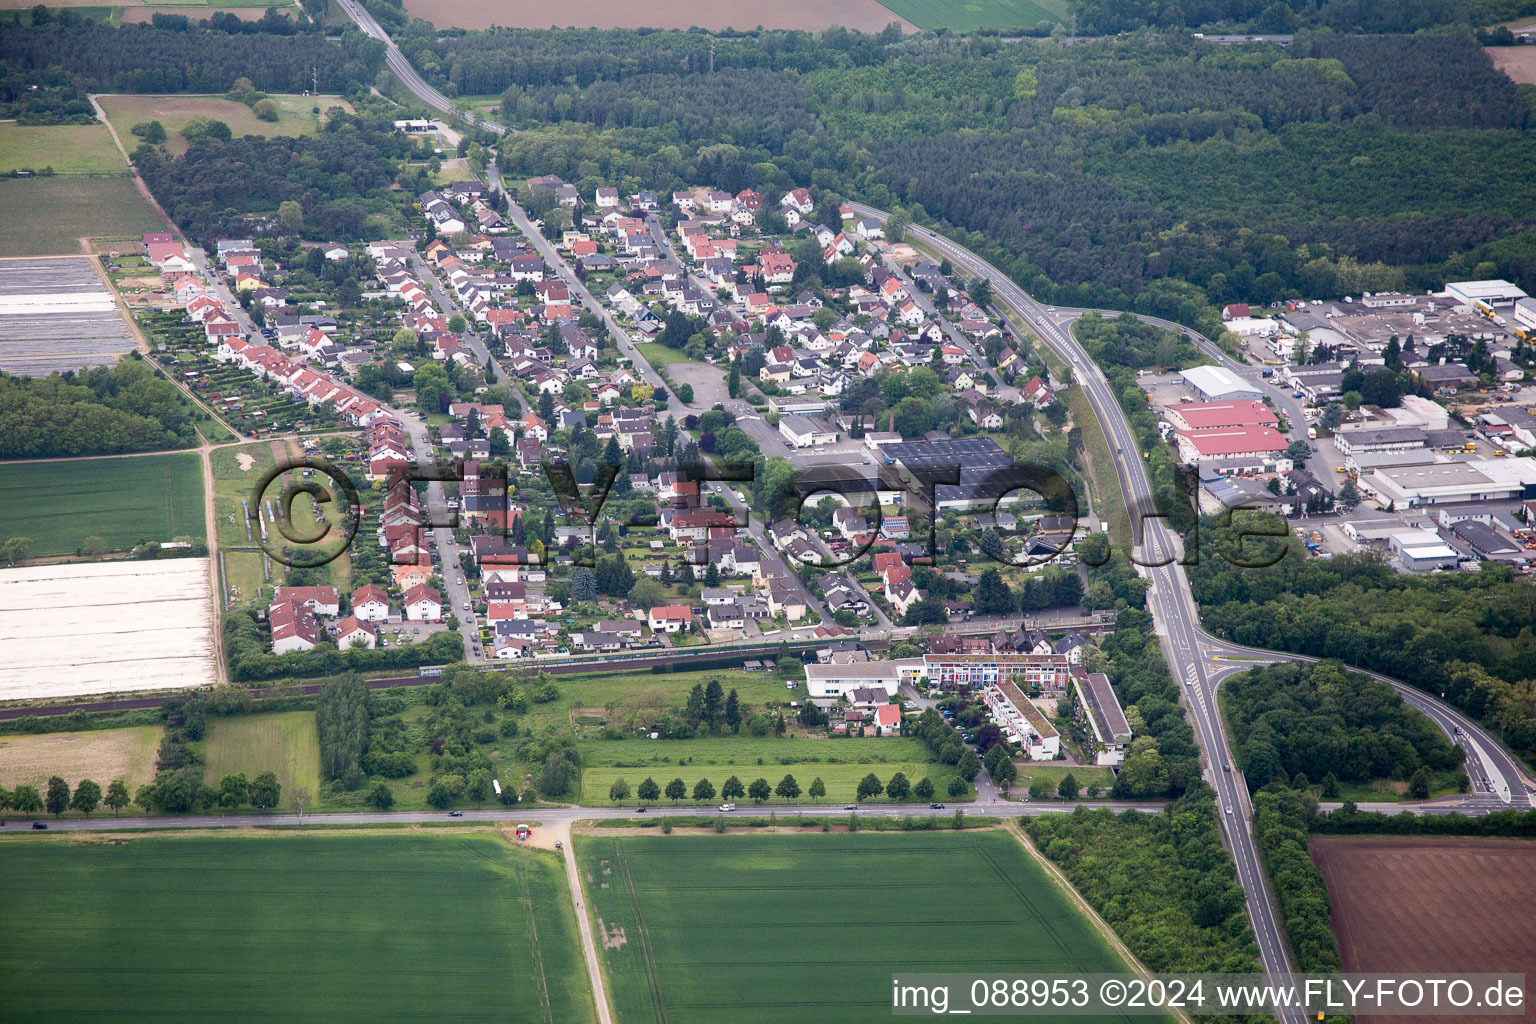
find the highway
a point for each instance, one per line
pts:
(1174, 614)
(408, 77)
(1186, 647)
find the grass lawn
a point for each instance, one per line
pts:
(705, 928)
(67, 148)
(296, 927)
(1052, 775)
(243, 571)
(123, 501)
(660, 356)
(235, 472)
(748, 758)
(970, 15)
(49, 216)
(101, 755)
(295, 114)
(1389, 791)
(283, 742)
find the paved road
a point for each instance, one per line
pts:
(554, 816)
(1175, 617)
(1498, 779)
(408, 76)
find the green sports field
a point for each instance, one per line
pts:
(970, 15)
(323, 928)
(756, 928)
(122, 501)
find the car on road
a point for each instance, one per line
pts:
(935, 807)
(1229, 810)
(40, 824)
(641, 810)
(455, 814)
(850, 807)
(1226, 767)
(727, 807)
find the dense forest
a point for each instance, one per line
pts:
(1470, 636)
(339, 178)
(1318, 720)
(1163, 882)
(129, 407)
(192, 58)
(1280, 820)
(1157, 173)
(1272, 16)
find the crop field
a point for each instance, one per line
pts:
(283, 742)
(122, 501)
(772, 928)
(1431, 905)
(970, 15)
(1518, 62)
(866, 15)
(840, 764)
(296, 115)
(305, 928)
(100, 754)
(49, 216)
(67, 148)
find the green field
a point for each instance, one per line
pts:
(283, 742)
(660, 356)
(970, 15)
(748, 758)
(775, 928)
(122, 501)
(295, 115)
(49, 216)
(67, 148)
(321, 928)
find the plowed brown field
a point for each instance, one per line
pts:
(1432, 906)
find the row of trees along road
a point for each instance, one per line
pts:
(233, 791)
(759, 790)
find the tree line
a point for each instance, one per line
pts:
(141, 58)
(1163, 882)
(899, 788)
(105, 410)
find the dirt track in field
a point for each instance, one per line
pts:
(810, 15)
(1432, 906)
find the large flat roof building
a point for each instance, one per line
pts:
(975, 671)
(1106, 719)
(1241, 412)
(1494, 293)
(1437, 484)
(1217, 383)
(837, 680)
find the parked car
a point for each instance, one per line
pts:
(559, 845)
